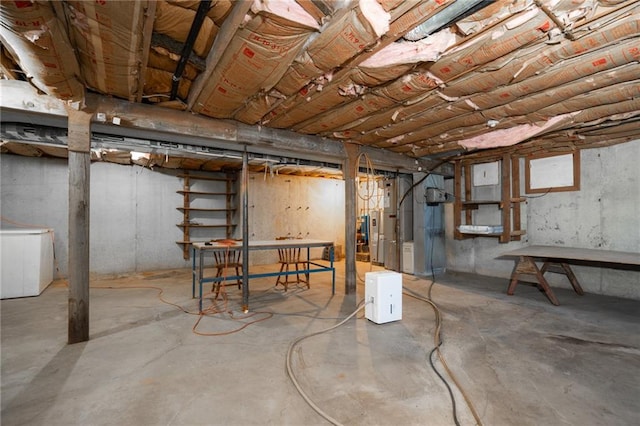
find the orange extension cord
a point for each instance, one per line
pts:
(212, 310)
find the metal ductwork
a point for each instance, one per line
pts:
(457, 10)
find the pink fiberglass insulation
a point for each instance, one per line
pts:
(289, 10)
(256, 59)
(428, 49)
(512, 136)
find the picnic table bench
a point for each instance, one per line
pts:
(556, 259)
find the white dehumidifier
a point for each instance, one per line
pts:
(383, 296)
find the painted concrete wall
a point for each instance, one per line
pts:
(603, 214)
(297, 207)
(134, 211)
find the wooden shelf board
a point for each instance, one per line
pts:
(183, 225)
(182, 191)
(472, 202)
(198, 209)
(192, 241)
(216, 179)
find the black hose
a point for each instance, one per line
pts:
(201, 13)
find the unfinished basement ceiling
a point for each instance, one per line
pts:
(427, 79)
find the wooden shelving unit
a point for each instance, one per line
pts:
(190, 214)
(508, 205)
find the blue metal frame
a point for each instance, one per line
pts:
(197, 268)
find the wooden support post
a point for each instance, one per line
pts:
(79, 182)
(526, 265)
(565, 269)
(505, 186)
(517, 232)
(468, 194)
(457, 201)
(244, 196)
(349, 171)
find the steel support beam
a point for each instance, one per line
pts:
(350, 216)
(20, 103)
(244, 195)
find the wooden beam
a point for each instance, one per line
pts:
(312, 9)
(185, 127)
(21, 96)
(150, 122)
(220, 44)
(457, 201)
(397, 161)
(505, 187)
(149, 18)
(517, 232)
(79, 195)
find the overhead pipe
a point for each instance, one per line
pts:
(450, 14)
(201, 13)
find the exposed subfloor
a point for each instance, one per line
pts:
(521, 360)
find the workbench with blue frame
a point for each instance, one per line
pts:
(200, 248)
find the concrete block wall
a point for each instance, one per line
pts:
(134, 216)
(603, 214)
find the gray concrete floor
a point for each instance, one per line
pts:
(521, 360)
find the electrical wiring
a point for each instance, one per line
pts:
(262, 297)
(370, 174)
(146, 287)
(446, 384)
(439, 340)
(428, 172)
(436, 350)
(213, 309)
(199, 314)
(292, 376)
(438, 343)
(537, 196)
(280, 314)
(225, 333)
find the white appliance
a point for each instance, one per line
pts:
(383, 296)
(407, 257)
(377, 250)
(27, 261)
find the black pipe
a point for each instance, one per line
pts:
(201, 13)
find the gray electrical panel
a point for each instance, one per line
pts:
(389, 219)
(429, 235)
